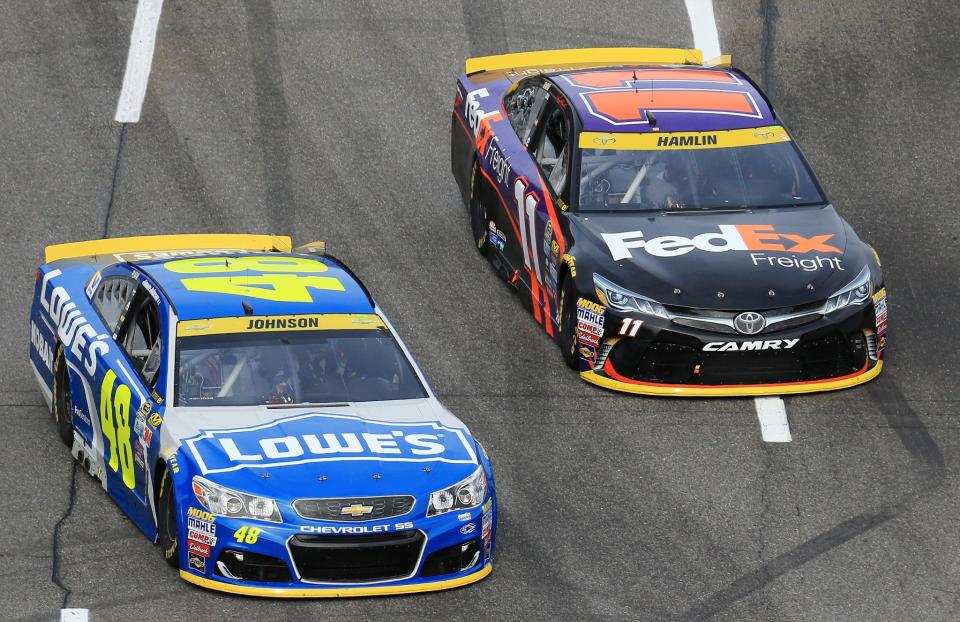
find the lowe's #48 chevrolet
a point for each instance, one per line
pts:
(662, 226)
(252, 410)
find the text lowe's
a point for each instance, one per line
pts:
(319, 437)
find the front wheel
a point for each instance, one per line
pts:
(567, 318)
(167, 521)
(62, 399)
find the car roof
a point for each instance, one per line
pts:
(682, 98)
(193, 305)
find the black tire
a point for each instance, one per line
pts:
(567, 319)
(167, 521)
(62, 399)
(478, 213)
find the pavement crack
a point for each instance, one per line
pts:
(55, 572)
(273, 115)
(764, 501)
(768, 43)
(114, 179)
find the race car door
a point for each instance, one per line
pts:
(125, 403)
(550, 146)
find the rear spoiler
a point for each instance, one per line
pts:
(195, 241)
(592, 57)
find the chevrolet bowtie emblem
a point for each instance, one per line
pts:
(356, 509)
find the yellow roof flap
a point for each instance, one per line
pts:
(192, 241)
(586, 57)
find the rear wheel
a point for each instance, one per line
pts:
(567, 316)
(62, 399)
(167, 521)
(478, 212)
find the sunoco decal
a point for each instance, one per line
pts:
(319, 437)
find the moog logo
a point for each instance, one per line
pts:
(318, 437)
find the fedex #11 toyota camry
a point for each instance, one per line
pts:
(661, 224)
(252, 410)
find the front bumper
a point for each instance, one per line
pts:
(655, 356)
(322, 559)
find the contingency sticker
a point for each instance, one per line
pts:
(880, 309)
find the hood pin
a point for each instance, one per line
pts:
(676, 291)
(771, 293)
(720, 294)
(377, 476)
(322, 478)
(426, 469)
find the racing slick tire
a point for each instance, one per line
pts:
(167, 521)
(62, 399)
(567, 319)
(478, 212)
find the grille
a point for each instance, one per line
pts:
(332, 509)
(701, 318)
(353, 559)
(822, 358)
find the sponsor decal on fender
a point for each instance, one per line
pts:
(589, 322)
(198, 548)
(198, 563)
(44, 351)
(316, 437)
(201, 537)
(743, 346)
(729, 238)
(880, 310)
(75, 332)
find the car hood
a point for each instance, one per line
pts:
(364, 449)
(756, 260)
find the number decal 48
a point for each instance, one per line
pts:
(278, 280)
(115, 423)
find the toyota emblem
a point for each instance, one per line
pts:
(749, 323)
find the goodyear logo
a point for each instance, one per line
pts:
(317, 437)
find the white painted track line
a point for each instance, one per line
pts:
(770, 410)
(772, 414)
(139, 58)
(704, 27)
(74, 615)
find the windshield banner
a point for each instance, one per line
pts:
(653, 141)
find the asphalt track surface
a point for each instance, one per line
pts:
(332, 121)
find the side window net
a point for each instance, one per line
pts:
(523, 107)
(142, 341)
(112, 297)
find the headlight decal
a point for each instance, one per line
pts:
(855, 293)
(623, 299)
(223, 501)
(465, 494)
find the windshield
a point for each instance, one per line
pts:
(697, 177)
(293, 367)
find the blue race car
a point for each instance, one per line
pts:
(252, 410)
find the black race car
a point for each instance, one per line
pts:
(662, 225)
